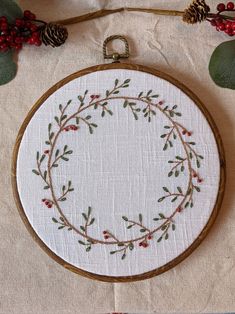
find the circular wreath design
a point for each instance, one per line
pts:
(51, 158)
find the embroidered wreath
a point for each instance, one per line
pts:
(51, 158)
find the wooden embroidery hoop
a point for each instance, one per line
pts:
(135, 67)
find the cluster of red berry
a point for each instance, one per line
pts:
(186, 132)
(48, 203)
(71, 127)
(106, 235)
(226, 25)
(46, 151)
(94, 97)
(196, 175)
(179, 209)
(12, 36)
(144, 243)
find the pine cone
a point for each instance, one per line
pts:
(196, 12)
(54, 35)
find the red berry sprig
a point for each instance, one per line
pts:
(224, 23)
(71, 127)
(23, 30)
(47, 202)
(196, 176)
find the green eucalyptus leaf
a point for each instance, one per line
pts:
(10, 10)
(222, 65)
(8, 67)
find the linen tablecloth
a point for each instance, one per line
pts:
(31, 282)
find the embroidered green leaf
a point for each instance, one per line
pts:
(173, 227)
(54, 220)
(123, 256)
(82, 228)
(165, 189)
(89, 211)
(156, 219)
(81, 242)
(161, 215)
(130, 226)
(197, 188)
(125, 218)
(84, 216)
(179, 189)
(57, 119)
(198, 163)
(61, 227)
(121, 244)
(36, 172)
(140, 218)
(92, 221)
(165, 147)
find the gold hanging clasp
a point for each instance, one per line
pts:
(116, 56)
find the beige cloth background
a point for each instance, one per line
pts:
(30, 281)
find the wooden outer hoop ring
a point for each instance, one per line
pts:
(220, 194)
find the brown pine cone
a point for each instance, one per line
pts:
(196, 12)
(54, 35)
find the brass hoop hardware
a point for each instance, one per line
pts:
(115, 56)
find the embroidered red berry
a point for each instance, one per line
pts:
(49, 205)
(195, 175)
(145, 244)
(150, 237)
(230, 5)
(104, 232)
(200, 180)
(46, 151)
(43, 200)
(184, 132)
(189, 133)
(161, 103)
(179, 209)
(141, 244)
(106, 237)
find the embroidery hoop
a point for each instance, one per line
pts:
(103, 67)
